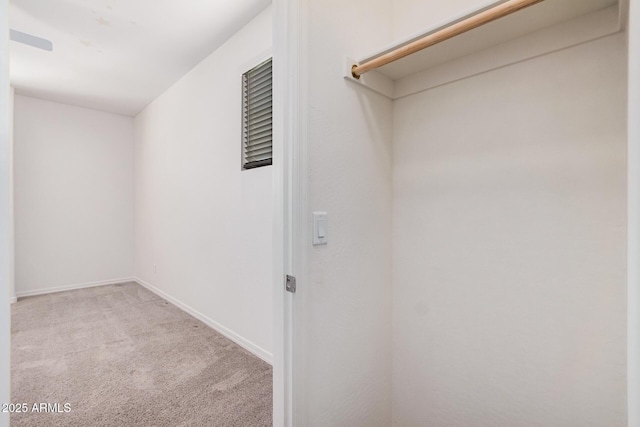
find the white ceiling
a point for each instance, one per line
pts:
(118, 55)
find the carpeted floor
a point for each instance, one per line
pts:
(122, 356)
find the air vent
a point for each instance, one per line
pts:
(257, 116)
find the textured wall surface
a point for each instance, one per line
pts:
(5, 322)
(349, 291)
(510, 243)
(634, 215)
(73, 195)
(203, 225)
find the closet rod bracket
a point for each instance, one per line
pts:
(353, 72)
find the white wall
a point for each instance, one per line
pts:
(73, 196)
(509, 245)
(203, 226)
(347, 292)
(12, 269)
(5, 310)
(633, 113)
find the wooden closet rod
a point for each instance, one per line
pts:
(443, 34)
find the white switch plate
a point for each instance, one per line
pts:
(320, 230)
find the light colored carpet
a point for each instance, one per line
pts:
(122, 356)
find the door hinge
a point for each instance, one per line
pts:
(290, 284)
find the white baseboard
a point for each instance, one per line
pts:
(241, 341)
(13, 300)
(72, 287)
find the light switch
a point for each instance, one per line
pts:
(319, 228)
